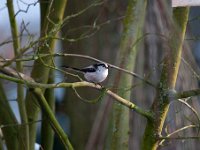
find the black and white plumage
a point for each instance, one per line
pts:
(95, 73)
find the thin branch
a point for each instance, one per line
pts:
(24, 49)
(191, 108)
(186, 94)
(11, 75)
(110, 65)
(27, 8)
(93, 101)
(190, 68)
(54, 123)
(92, 29)
(6, 42)
(181, 138)
(55, 68)
(168, 137)
(81, 56)
(16, 124)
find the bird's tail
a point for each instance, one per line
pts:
(72, 68)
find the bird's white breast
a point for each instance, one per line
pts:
(99, 76)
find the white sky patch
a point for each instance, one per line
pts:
(32, 16)
(29, 14)
(181, 3)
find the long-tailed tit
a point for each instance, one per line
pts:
(95, 73)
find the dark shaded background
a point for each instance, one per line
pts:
(88, 125)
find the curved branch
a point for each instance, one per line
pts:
(93, 101)
(11, 75)
(85, 57)
(168, 137)
(54, 123)
(191, 108)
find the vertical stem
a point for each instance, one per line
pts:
(40, 73)
(20, 90)
(47, 134)
(49, 114)
(133, 26)
(8, 118)
(168, 80)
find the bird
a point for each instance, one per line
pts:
(95, 73)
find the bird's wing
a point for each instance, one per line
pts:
(88, 69)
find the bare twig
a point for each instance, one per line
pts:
(191, 108)
(27, 8)
(85, 57)
(12, 76)
(181, 138)
(190, 68)
(16, 124)
(168, 137)
(93, 100)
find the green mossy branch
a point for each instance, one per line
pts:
(132, 28)
(24, 133)
(47, 134)
(169, 74)
(32, 84)
(41, 56)
(53, 16)
(38, 93)
(7, 117)
(186, 94)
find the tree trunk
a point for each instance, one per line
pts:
(133, 27)
(40, 71)
(168, 80)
